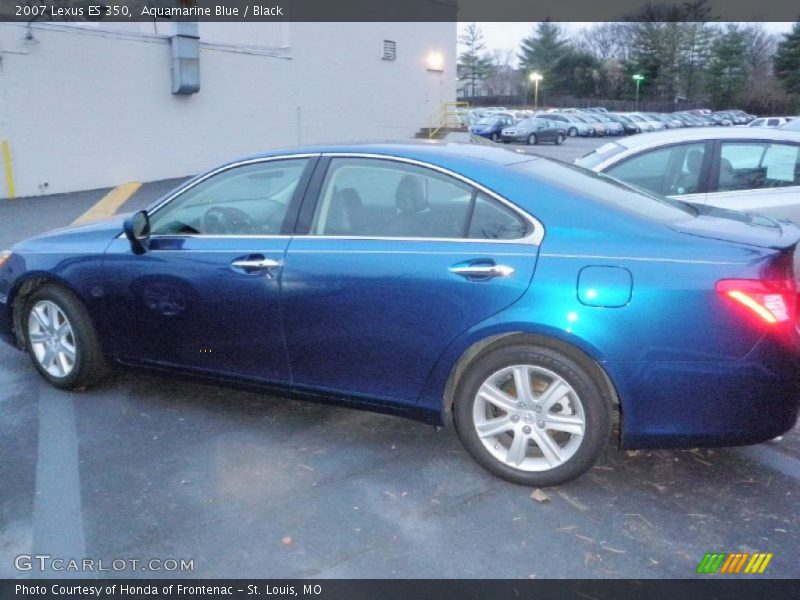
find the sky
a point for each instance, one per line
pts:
(507, 36)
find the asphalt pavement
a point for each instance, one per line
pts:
(151, 466)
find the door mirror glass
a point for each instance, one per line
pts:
(137, 230)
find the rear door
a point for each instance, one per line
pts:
(677, 170)
(393, 260)
(757, 176)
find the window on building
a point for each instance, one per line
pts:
(389, 50)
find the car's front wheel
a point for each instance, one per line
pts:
(532, 415)
(572, 132)
(61, 339)
(532, 141)
(559, 139)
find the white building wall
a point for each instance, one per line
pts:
(84, 108)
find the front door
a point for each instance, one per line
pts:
(205, 296)
(398, 260)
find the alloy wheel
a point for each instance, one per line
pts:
(529, 418)
(52, 339)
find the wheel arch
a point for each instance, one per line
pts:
(490, 343)
(23, 288)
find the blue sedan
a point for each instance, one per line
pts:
(529, 301)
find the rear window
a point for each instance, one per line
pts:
(598, 155)
(607, 190)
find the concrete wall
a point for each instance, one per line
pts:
(84, 109)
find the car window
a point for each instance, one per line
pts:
(670, 171)
(773, 122)
(246, 200)
(364, 197)
(757, 123)
(493, 221)
(758, 165)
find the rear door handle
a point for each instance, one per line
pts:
(482, 271)
(255, 264)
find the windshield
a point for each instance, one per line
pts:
(487, 121)
(607, 190)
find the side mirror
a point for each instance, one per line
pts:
(137, 230)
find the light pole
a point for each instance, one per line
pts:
(638, 79)
(535, 78)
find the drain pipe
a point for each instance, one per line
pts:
(185, 46)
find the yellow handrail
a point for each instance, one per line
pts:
(444, 116)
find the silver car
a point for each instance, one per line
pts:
(754, 170)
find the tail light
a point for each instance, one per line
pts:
(769, 301)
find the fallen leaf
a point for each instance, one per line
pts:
(540, 496)
(286, 541)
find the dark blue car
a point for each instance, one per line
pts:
(529, 300)
(491, 126)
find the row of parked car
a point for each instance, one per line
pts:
(500, 124)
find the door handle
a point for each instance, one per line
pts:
(482, 271)
(255, 264)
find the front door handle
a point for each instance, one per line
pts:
(255, 263)
(482, 271)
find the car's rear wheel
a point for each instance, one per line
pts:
(559, 139)
(532, 415)
(532, 141)
(61, 339)
(572, 132)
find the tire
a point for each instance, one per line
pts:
(532, 141)
(546, 368)
(51, 358)
(495, 137)
(572, 132)
(559, 139)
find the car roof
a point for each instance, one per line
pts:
(435, 152)
(646, 140)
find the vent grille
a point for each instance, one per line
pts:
(389, 50)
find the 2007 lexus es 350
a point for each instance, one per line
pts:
(531, 300)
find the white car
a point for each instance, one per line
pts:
(769, 122)
(753, 170)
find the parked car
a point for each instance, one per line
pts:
(769, 122)
(720, 118)
(300, 272)
(490, 126)
(533, 131)
(612, 126)
(668, 121)
(755, 170)
(743, 116)
(594, 121)
(644, 124)
(573, 125)
(627, 123)
(655, 124)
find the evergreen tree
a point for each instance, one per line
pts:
(727, 71)
(541, 50)
(473, 64)
(787, 60)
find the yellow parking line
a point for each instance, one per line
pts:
(9, 172)
(110, 203)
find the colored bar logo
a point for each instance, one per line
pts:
(734, 562)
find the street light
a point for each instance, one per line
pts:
(535, 78)
(638, 79)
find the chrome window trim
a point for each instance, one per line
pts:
(535, 237)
